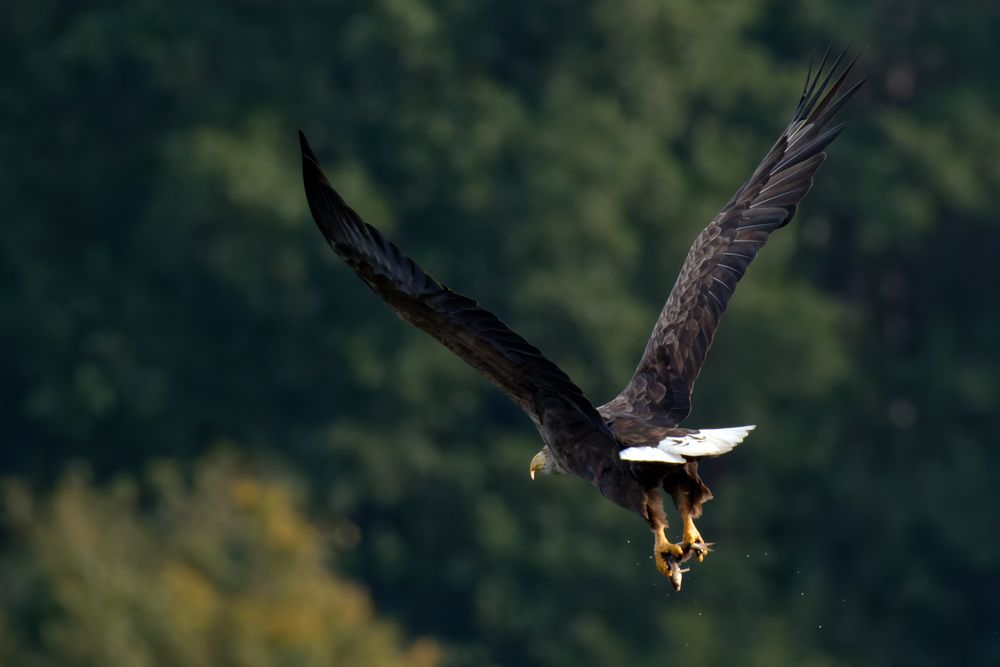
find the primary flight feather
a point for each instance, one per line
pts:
(632, 446)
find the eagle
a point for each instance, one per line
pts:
(634, 445)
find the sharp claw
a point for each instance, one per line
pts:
(697, 548)
(671, 561)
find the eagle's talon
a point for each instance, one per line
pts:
(700, 549)
(675, 550)
(668, 557)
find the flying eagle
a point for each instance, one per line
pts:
(634, 445)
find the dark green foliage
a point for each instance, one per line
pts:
(164, 292)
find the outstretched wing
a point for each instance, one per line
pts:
(659, 393)
(516, 367)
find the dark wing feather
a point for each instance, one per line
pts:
(659, 393)
(533, 382)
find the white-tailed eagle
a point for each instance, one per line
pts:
(634, 445)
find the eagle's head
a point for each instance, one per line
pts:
(543, 462)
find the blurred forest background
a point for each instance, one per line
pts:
(218, 448)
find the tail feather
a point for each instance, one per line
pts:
(678, 449)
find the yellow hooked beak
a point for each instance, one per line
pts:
(537, 463)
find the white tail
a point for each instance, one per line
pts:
(705, 442)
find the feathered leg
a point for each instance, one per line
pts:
(692, 540)
(688, 497)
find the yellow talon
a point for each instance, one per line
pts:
(668, 557)
(693, 539)
(663, 545)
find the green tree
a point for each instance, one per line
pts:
(219, 569)
(163, 285)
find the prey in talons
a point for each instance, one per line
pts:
(669, 556)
